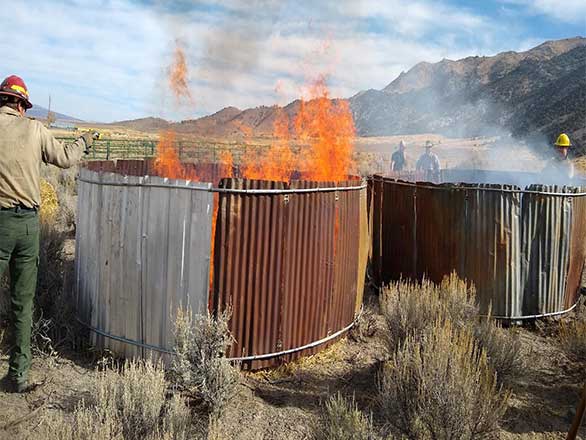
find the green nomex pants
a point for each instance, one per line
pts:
(19, 252)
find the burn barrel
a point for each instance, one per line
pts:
(289, 259)
(142, 251)
(523, 247)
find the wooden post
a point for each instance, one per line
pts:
(578, 417)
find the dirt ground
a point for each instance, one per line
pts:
(285, 404)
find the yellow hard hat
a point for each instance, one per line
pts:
(563, 141)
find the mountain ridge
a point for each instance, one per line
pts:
(532, 94)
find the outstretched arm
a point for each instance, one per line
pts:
(59, 154)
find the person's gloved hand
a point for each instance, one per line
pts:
(89, 137)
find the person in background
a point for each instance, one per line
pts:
(24, 145)
(398, 159)
(429, 163)
(559, 169)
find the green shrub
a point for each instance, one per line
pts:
(131, 405)
(342, 420)
(440, 386)
(409, 308)
(200, 367)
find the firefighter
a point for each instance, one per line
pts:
(398, 159)
(560, 169)
(24, 145)
(429, 163)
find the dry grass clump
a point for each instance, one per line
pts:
(572, 336)
(131, 405)
(65, 189)
(342, 420)
(502, 346)
(54, 324)
(440, 386)
(409, 308)
(200, 367)
(365, 327)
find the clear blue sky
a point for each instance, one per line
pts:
(108, 60)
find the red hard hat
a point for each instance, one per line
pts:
(15, 86)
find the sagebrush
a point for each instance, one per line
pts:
(572, 336)
(200, 367)
(342, 420)
(130, 405)
(409, 308)
(502, 346)
(440, 386)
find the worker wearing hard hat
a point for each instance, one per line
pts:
(398, 159)
(429, 163)
(560, 169)
(24, 144)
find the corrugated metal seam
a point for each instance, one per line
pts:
(227, 190)
(487, 188)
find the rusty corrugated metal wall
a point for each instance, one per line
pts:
(523, 251)
(202, 172)
(291, 266)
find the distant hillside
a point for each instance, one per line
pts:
(231, 121)
(537, 93)
(40, 112)
(534, 94)
(144, 124)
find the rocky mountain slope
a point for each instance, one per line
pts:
(534, 94)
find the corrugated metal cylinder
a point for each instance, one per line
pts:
(524, 251)
(291, 266)
(142, 251)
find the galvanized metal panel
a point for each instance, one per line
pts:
(131, 265)
(142, 251)
(546, 230)
(492, 242)
(364, 248)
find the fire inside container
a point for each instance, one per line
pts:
(524, 249)
(289, 259)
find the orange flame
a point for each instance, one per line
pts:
(279, 162)
(178, 76)
(328, 128)
(167, 162)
